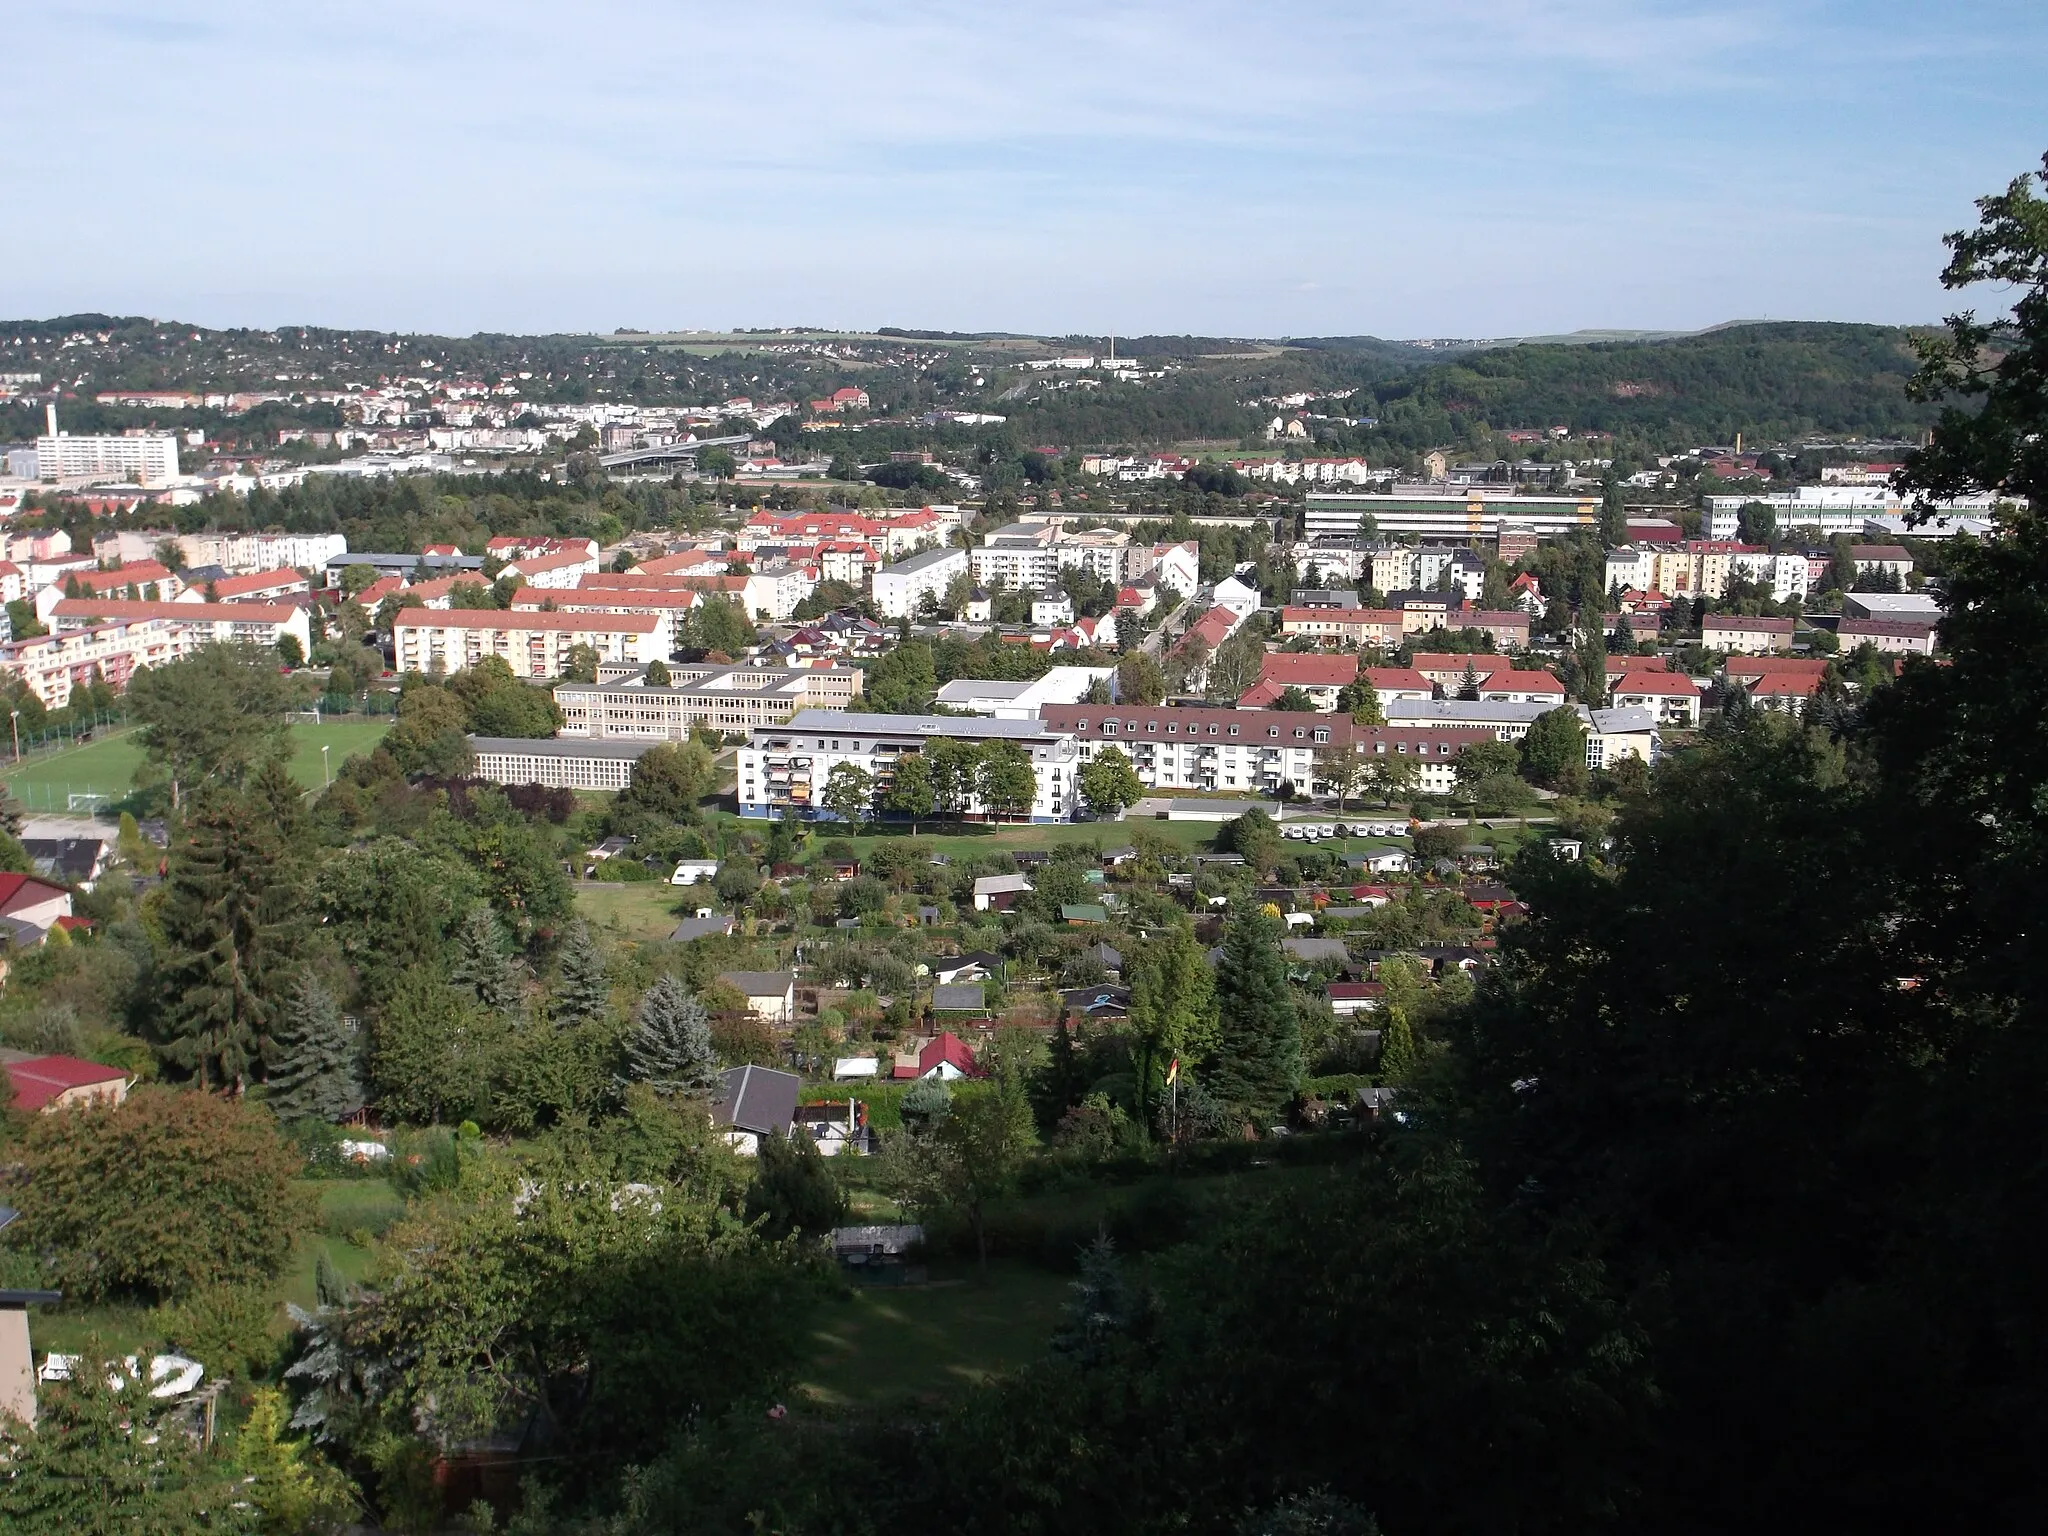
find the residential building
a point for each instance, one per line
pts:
(228, 623)
(1672, 696)
(1449, 670)
(900, 590)
(1244, 749)
(1240, 597)
(533, 644)
(1913, 607)
(1892, 637)
(1827, 509)
(52, 665)
(1613, 734)
(1511, 685)
(770, 995)
(147, 459)
(1032, 555)
(785, 768)
(1022, 701)
(727, 699)
(1053, 607)
(1480, 514)
(559, 568)
(756, 1104)
(46, 1084)
(669, 606)
(385, 563)
(277, 586)
(1177, 567)
(1344, 626)
(1743, 633)
(997, 893)
(1504, 722)
(143, 581)
(1368, 562)
(1881, 559)
(1748, 671)
(1391, 683)
(1789, 692)
(558, 762)
(1319, 674)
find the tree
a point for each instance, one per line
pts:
(849, 793)
(669, 780)
(1255, 837)
(213, 716)
(1485, 760)
(983, 1141)
(432, 1052)
(909, 791)
(480, 964)
(1756, 523)
(583, 991)
(290, 652)
(580, 665)
(1553, 753)
(312, 1072)
(670, 1047)
(430, 734)
(717, 463)
(1613, 512)
(1391, 774)
(1173, 1009)
(1109, 784)
(1005, 781)
(1361, 701)
(497, 703)
(162, 1195)
(954, 767)
(1344, 768)
(1237, 664)
(657, 675)
(228, 934)
(1296, 700)
(718, 624)
(794, 1191)
(1257, 1061)
(1140, 679)
(1397, 1045)
(355, 580)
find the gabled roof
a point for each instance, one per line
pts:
(40, 1080)
(760, 983)
(950, 1050)
(757, 1099)
(26, 891)
(1662, 684)
(1309, 669)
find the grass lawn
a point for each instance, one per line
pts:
(886, 1343)
(107, 764)
(641, 909)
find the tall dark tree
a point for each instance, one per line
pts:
(228, 936)
(670, 1046)
(480, 962)
(1256, 1063)
(311, 1064)
(212, 717)
(583, 991)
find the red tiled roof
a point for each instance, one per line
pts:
(1669, 684)
(41, 1080)
(1397, 677)
(1308, 669)
(948, 1047)
(1786, 685)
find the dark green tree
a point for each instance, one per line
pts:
(793, 1189)
(480, 964)
(212, 717)
(583, 991)
(1256, 1063)
(312, 1072)
(670, 1046)
(1553, 753)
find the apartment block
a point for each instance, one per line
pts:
(533, 644)
(52, 665)
(785, 768)
(900, 590)
(149, 460)
(557, 762)
(262, 624)
(723, 698)
(1480, 515)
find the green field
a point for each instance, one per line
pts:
(886, 1343)
(107, 765)
(641, 909)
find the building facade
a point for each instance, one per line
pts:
(900, 589)
(784, 768)
(149, 459)
(533, 644)
(728, 699)
(557, 762)
(1475, 516)
(198, 624)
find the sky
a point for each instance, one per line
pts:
(1459, 168)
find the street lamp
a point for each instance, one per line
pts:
(14, 715)
(325, 777)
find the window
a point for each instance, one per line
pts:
(1321, 735)
(1274, 730)
(1212, 730)
(1080, 725)
(1109, 727)
(1173, 730)
(1151, 727)
(1233, 730)
(1299, 732)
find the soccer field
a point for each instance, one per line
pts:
(106, 766)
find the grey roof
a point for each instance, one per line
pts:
(1313, 950)
(815, 720)
(1456, 711)
(563, 746)
(757, 1099)
(760, 983)
(963, 689)
(71, 858)
(958, 997)
(923, 562)
(953, 965)
(406, 562)
(1112, 960)
(1619, 722)
(700, 928)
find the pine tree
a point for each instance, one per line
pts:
(584, 992)
(227, 940)
(480, 962)
(312, 1061)
(670, 1046)
(1397, 1045)
(1103, 1307)
(1257, 1060)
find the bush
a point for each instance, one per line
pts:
(226, 1328)
(159, 1197)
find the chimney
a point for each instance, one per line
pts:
(50, 411)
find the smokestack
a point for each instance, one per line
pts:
(50, 410)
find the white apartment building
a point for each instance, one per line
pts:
(1022, 701)
(1891, 637)
(786, 767)
(560, 568)
(669, 608)
(1175, 567)
(53, 664)
(1827, 509)
(900, 589)
(199, 623)
(149, 460)
(1612, 734)
(236, 553)
(1742, 635)
(1472, 516)
(533, 644)
(1672, 697)
(1254, 750)
(726, 699)
(1032, 555)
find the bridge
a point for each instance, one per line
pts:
(673, 455)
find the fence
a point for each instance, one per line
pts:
(56, 738)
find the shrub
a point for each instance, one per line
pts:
(159, 1197)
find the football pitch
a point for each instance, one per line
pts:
(59, 780)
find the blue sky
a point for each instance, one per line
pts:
(1443, 167)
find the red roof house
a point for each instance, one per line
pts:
(44, 1083)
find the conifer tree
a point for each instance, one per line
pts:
(584, 992)
(480, 963)
(227, 940)
(670, 1047)
(1257, 1060)
(1397, 1045)
(312, 1061)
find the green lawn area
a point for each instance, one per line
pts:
(107, 764)
(885, 1343)
(641, 909)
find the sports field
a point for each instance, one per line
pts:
(106, 765)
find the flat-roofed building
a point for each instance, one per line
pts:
(900, 589)
(533, 644)
(1477, 515)
(785, 767)
(721, 698)
(203, 623)
(148, 459)
(557, 762)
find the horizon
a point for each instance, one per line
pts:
(1482, 171)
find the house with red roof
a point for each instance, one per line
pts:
(43, 1084)
(1790, 692)
(1511, 685)
(36, 903)
(1672, 695)
(946, 1058)
(1320, 675)
(278, 586)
